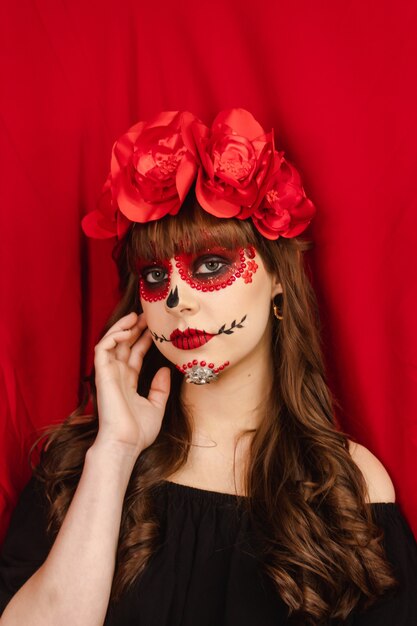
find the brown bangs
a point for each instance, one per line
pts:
(191, 230)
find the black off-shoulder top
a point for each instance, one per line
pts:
(205, 573)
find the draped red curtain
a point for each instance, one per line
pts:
(336, 81)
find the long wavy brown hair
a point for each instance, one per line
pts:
(306, 497)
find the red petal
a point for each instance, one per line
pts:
(186, 174)
(96, 225)
(239, 120)
(212, 203)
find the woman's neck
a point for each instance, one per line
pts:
(221, 410)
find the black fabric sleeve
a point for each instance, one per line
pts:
(27, 544)
(398, 608)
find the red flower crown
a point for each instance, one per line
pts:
(236, 169)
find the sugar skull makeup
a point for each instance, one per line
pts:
(201, 307)
(210, 270)
(154, 280)
(213, 270)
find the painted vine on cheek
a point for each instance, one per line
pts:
(192, 338)
(153, 291)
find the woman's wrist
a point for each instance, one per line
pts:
(114, 455)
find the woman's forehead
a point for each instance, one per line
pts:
(167, 249)
(188, 252)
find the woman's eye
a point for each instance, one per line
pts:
(153, 276)
(210, 266)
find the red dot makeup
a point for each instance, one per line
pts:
(199, 373)
(193, 323)
(154, 280)
(209, 270)
(214, 269)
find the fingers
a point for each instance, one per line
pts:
(126, 322)
(119, 338)
(109, 342)
(139, 349)
(122, 350)
(159, 391)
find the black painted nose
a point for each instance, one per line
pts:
(173, 299)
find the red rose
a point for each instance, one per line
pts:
(238, 175)
(106, 221)
(285, 210)
(236, 155)
(151, 167)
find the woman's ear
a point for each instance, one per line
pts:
(276, 287)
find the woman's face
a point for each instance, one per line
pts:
(209, 309)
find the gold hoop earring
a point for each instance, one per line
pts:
(276, 310)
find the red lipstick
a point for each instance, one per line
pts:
(189, 338)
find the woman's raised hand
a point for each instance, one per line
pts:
(126, 418)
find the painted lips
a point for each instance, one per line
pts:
(190, 338)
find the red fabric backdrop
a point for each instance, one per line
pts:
(336, 80)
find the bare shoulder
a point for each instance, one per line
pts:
(380, 487)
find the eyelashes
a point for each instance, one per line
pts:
(209, 266)
(154, 275)
(203, 268)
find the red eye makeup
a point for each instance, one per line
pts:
(214, 269)
(154, 280)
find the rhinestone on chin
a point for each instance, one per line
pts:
(200, 375)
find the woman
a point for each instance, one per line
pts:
(233, 499)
